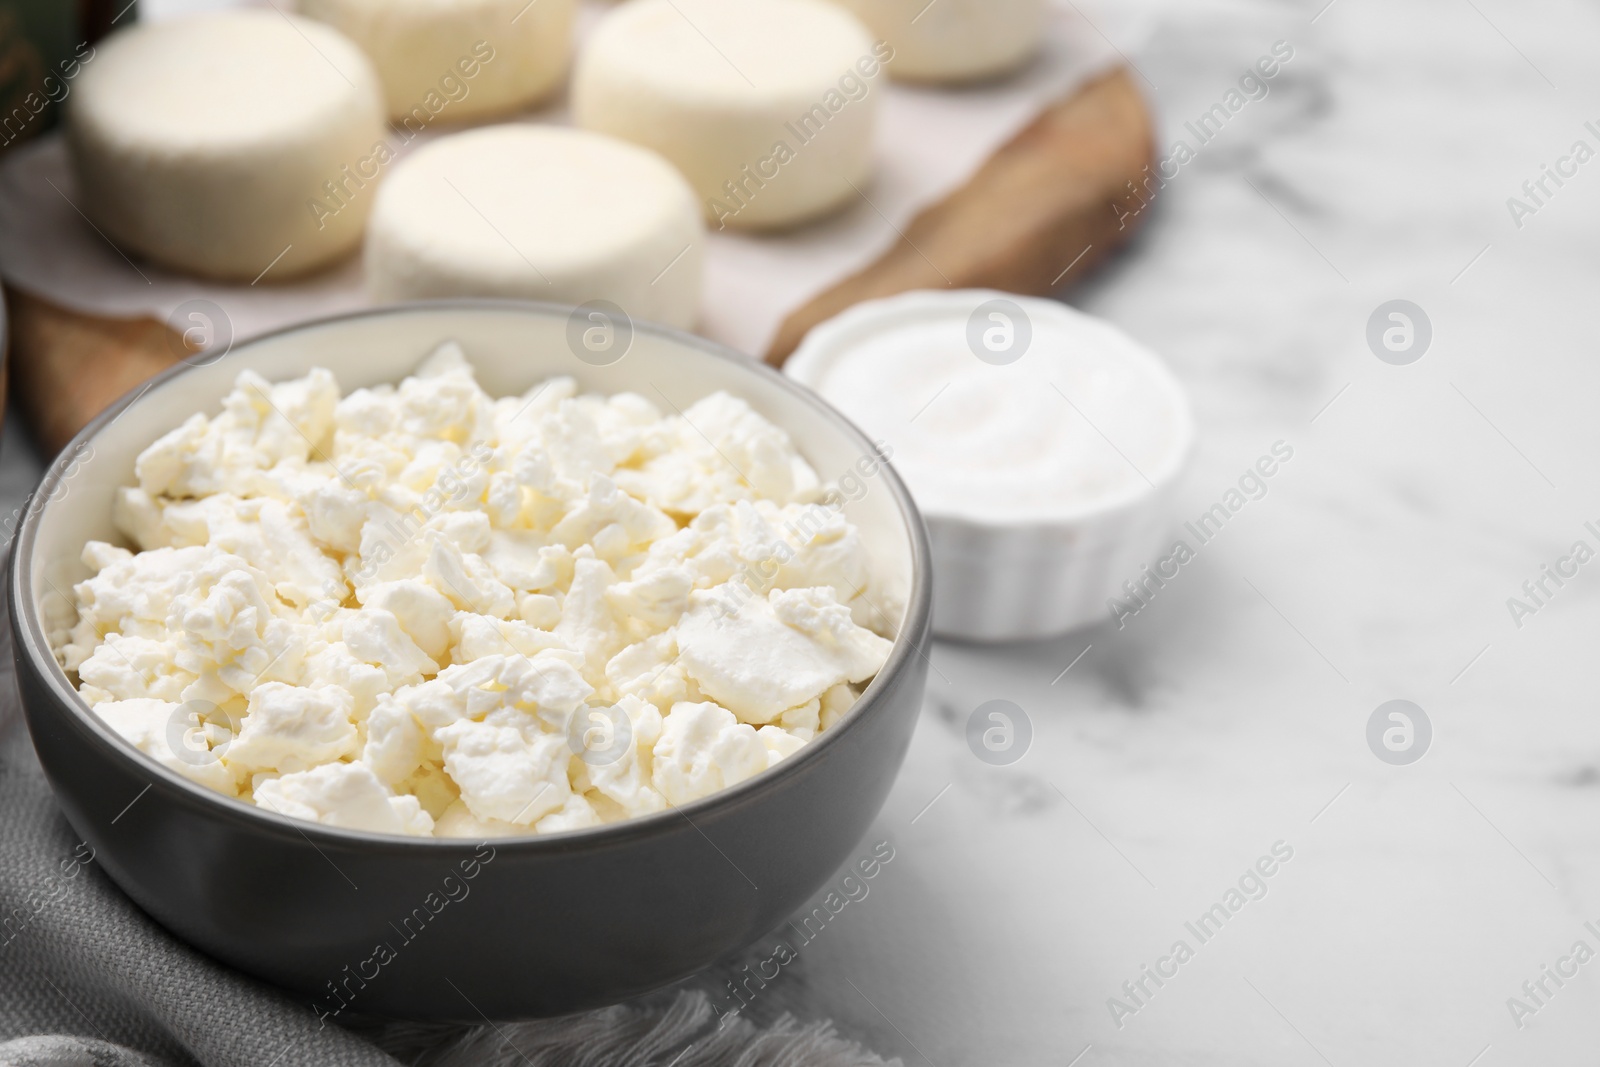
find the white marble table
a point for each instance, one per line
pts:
(1231, 713)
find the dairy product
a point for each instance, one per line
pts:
(1065, 415)
(764, 105)
(1044, 448)
(480, 56)
(538, 213)
(417, 609)
(954, 40)
(202, 142)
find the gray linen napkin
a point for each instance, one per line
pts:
(88, 980)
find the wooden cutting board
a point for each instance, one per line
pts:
(1042, 213)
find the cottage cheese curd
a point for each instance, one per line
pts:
(417, 609)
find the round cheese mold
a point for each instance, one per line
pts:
(456, 60)
(416, 609)
(539, 213)
(952, 41)
(766, 106)
(1043, 447)
(209, 143)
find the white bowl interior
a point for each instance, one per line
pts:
(512, 348)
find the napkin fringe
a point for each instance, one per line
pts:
(686, 1033)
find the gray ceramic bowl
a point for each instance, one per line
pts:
(544, 925)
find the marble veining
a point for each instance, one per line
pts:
(1231, 713)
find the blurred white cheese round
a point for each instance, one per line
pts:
(457, 59)
(766, 106)
(538, 213)
(954, 40)
(205, 143)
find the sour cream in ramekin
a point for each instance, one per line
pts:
(1043, 446)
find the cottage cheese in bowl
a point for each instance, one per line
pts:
(417, 609)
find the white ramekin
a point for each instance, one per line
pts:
(1008, 580)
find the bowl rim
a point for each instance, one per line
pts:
(31, 640)
(809, 361)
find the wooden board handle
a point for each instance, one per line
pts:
(1039, 215)
(67, 367)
